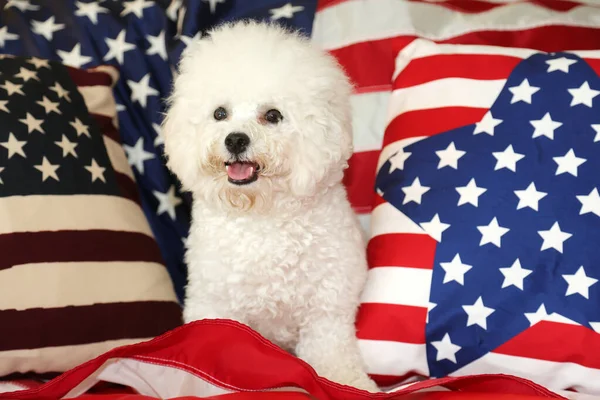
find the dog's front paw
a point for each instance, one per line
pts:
(362, 382)
(330, 346)
(368, 385)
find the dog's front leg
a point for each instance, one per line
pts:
(330, 346)
(201, 308)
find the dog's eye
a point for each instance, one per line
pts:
(220, 114)
(273, 116)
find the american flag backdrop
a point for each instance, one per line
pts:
(419, 72)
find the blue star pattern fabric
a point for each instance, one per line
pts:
(513, 202)
(144, 39)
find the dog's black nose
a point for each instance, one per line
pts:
(237, 142)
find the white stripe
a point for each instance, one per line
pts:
(117, 157)
(575, 396)
(369, 116)
(149, 378)
(551, 374)
(110, 70)
(56, 359)
(421, 48)
(386, 218)
(365, 223)
(447, 92)
(99, 100)
(393, 358)
(57, 285)
(361, 21)
(398, 285)
(554, 317)
(77, 212)
(6, 387)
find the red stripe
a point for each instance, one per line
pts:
(117, 394)
(359, 180)
(391, 380)
(595, 64)
(378, 200)
(128, 188)
(558, 5)
(477, 6)
(557, 342)
(44, 327)
(323, 4)
(471, 66)
(107, 127)
(401, 249)
(24, 383)
(66, 246)
(376, 321)
(381, 54)
(430, 122)
(545, 38)
(465, 6)
(371, 63)
(83, 77)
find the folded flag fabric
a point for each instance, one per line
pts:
(222, 357)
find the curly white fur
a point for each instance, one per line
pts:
(284, 254)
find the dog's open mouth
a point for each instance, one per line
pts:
(242, 172)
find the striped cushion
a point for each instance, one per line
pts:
(80, 271)
(442, 299)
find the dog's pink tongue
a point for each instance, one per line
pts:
(240, 171)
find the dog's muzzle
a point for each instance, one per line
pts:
(239, 171)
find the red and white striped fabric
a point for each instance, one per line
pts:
(431, 63)
(197, 360)
(366, 36)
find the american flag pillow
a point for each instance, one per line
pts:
(80, 271)
(484, 254)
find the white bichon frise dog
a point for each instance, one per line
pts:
(258, 129)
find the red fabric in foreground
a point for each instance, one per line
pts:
(302, 396)
(232, 356)
(232, 396)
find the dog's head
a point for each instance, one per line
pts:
(257, 112)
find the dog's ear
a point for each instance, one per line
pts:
(178, 133)
(323, 146)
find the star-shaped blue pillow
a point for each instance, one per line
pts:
(513, 202)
